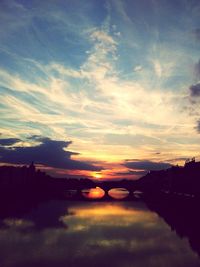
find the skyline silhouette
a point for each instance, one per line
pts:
(174, 181)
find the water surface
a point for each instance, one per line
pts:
(72, 233)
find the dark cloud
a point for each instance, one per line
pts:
(195, 90)
(130, 172)
(48, 152)
(146, 165)
(198, 126)
(9, 141)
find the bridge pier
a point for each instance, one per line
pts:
(106, 196)
(130, 195)
(79, 194)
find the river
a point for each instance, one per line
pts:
(64, 233)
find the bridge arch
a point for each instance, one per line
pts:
(108, 192)
(118, 193)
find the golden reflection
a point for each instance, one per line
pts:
(93, 193)
(108, 210)
(111, 214)
(118, 193)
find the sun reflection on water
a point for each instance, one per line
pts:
(98, 193)
(93, 193)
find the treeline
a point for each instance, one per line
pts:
(176, 180)
(26, 180)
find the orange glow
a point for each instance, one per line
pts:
(94, 193)
(95, 211)
(97, 175)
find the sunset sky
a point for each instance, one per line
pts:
(105, 89)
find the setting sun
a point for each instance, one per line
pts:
(97, 175)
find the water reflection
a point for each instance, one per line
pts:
(93, 193)
(38, 214)
(118, 193)
(182, 217)
(99, 193)
(73, 233)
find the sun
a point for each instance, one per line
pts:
(97, 175)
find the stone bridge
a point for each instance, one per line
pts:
(130, 186)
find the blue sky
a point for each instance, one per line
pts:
(119, 79)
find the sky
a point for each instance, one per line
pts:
(104, 89)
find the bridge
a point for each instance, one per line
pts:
(129, 186)
(74, 188)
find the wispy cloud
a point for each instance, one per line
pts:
(110, 78)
